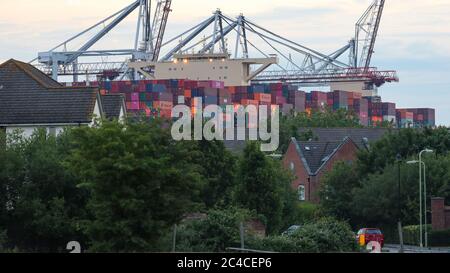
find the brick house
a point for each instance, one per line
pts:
(311, 160)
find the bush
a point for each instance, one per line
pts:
(325, 235)
(3, 240)
(439, 238)
(306, 213)
(218, 231)
(411, 235)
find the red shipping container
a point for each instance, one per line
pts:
(279, 100)
(330, 98)
(404, 114)
(276, 86)
(319, 96)
(231, 89)
(134, 105)
(211, 84)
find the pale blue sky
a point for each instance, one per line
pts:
(414, 37)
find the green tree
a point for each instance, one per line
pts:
(336, 191)
(218, 231)
(264, 187)
(44, 206)
(141, 183)
(218, 169)
(376, 201)
(406, 142)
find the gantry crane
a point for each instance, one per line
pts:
(366, 32)
(149, 35)
(309, 66)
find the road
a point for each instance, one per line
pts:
(414, 249)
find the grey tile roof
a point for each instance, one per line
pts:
(316, 153)
(358, 135)
(27, 96)
(112, 105)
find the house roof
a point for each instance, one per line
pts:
(30, 71)
(357, 135)
(28, 96)
(315, 154)
(112, 105)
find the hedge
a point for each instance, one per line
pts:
(439, 238)
(320, 236)
(411, 236)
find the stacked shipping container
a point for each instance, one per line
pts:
(157, 98)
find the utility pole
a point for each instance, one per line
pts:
(241, 228)
(400, 228)
(174, 242)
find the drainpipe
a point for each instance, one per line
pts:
(309, 188)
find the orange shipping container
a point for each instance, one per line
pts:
(261, 97)
(357, 95)
(231, 89)
(163, 105)
(188, 93)
(249, 102)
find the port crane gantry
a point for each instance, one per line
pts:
(308, 67)
(150, 30)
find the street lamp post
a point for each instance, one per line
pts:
(425, 191)
(400, 228)
(425, 202)
(422, 213)
(420, 199)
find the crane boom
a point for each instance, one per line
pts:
(368, 26)
(159, 25)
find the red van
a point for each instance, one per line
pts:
(367, 235)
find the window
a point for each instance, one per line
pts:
(52, 131)
(301, 193)
(292, 166)
(373, 231)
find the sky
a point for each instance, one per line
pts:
(414, 36)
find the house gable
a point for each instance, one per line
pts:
(30, 98)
